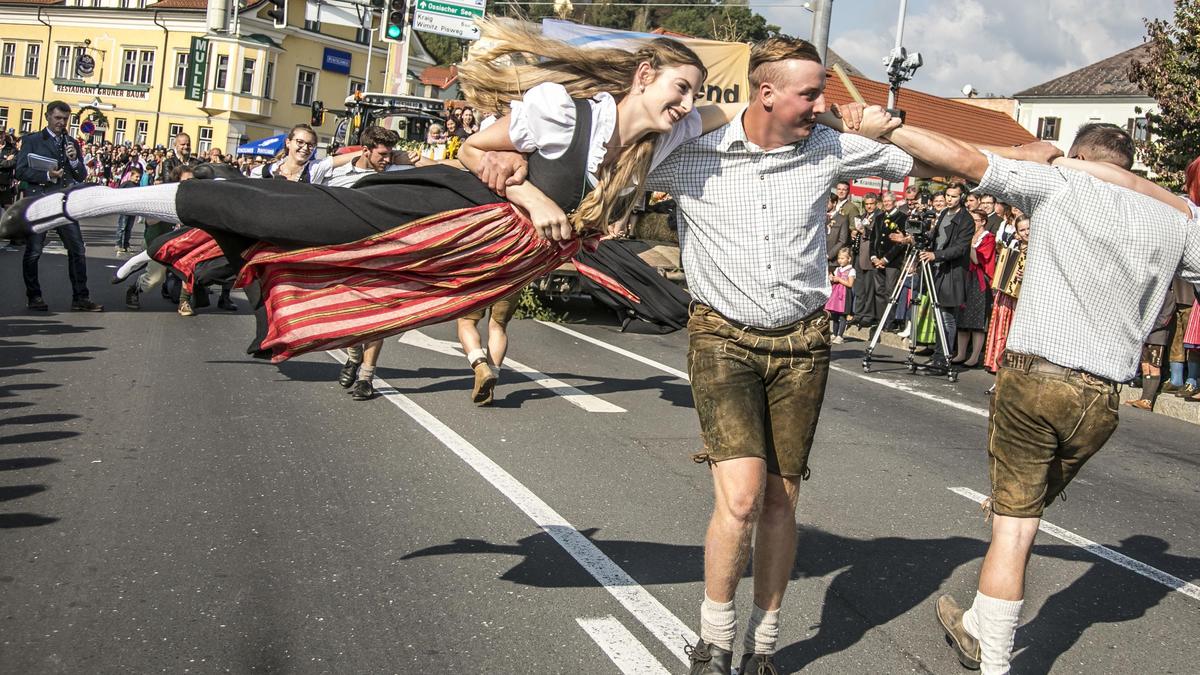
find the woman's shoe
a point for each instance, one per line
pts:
(15, 225)
(1140, 404)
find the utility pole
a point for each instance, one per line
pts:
(822, 12)
(897, 49)
(370, 46)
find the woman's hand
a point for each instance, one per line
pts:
(548, 218)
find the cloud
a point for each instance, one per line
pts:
(997, 47)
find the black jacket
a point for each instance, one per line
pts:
(42, 143)
(953, 258)
(882, 246)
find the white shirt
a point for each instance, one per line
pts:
(544, 120)
(752, 222)
(349, 174)
(318, 170)
(1099, 263)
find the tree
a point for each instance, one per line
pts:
(1169, 75)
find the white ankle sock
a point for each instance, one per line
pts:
(762, 632)
(366, 373)
(156, 202)
(994, 623)
(474, 355)
(718, 623)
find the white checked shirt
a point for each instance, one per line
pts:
(752, 222)
(1100, 261)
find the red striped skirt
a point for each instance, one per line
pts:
(183, 252)
(420, 273)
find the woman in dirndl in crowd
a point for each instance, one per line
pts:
(1004, 303)
(340, 266)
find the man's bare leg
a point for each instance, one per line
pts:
(363, 389)
(774, 555)
(485, 376)
(738, 490)
(993, 617)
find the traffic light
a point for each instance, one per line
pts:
(278, 12)
(318, 114)
(395, 14)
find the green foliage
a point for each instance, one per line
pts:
(1169, 75)
(530, 306)
(445, 49)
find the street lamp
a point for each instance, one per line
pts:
(901, 66)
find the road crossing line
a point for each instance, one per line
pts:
(646, 608)
(574, 396)
(1153, 573)
(630, 655)
(1170, 581)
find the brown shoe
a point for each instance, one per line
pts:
(1140, 404)
(485, 384)
(949, 616)
(185, 308)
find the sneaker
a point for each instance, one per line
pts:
(185, 308)
(838, 339)
(349, 374)
(485, 384)
(133, 299)
(949, 616)
(36, 303)
(708, 659)
(757, 664)
(85, 305)
(362, 390)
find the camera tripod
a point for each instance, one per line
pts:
(910, 259)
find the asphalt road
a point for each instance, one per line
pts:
(169, 505)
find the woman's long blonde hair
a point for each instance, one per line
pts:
(512, 57)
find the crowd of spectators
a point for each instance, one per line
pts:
(458, 123)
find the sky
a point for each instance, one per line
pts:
(996, 46)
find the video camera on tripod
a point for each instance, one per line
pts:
(921, 218)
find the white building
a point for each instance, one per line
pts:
(1101, 92)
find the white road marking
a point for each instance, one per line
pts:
(613, 348)
(909, 389)
(622, 647)
(572, 395)
(1153, 573)
(652, 614)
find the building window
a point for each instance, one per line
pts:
(8, 59)
(268, 79)
(355, 85)
(1138, 128)
(129, 67)
(222, 72)
(1048, 128)
(205, 140)
(173, 131)
(306, 81)
(26, 121)
(146, 68)
(74, 124)
(33, 57)
(247, 76)
(3, 119)
(119, 131)
(314, 26)
(79, 52)
(181, 69)
(62, 65)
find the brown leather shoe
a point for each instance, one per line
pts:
(185, 308)
(485, 384)
(1140, 404)
(949, 616)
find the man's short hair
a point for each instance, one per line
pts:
(871, 195)
(373, 136)
(766, 55)
(1102, 142)
(841, 183)
(60, 106)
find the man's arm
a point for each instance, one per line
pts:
(23, 172)
(1110, 173)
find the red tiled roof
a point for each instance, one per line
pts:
(959, 120)
(439, 76)
(179, 4)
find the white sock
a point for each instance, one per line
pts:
(156, 202)
(132, 265)
(475, 355)
(366, 373)
(718, 623)
(994, 623)
(762, 632)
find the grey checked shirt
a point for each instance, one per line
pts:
(752, 222)
(1100, 261)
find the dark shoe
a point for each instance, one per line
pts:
(349, 374)
(1169, 388)
(362, 390)
(86, 305)
(708, 659)
(485, 384)
(757, 664)
(133, 297)
(226, 304)
(949, 616)
(14, 224)
(36, 303)
(1187, 391)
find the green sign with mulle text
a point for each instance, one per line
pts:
(197, 73)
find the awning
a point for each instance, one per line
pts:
(265, 147)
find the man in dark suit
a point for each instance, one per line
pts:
(950, 254)
(987, 204)
(886, 255)
(54, 144)
(180, 154)
(866, 307)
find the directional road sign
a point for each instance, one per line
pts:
(455, 19)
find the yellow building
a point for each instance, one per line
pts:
(132, 61)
